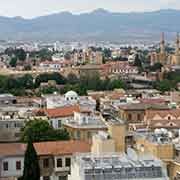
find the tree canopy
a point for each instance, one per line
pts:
(156, 67)
(46, 77)
(40, 130)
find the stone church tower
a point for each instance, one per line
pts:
(177, 54)
(162, 44)
(175, 58)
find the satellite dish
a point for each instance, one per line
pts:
(132, 154)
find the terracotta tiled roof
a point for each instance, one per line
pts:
(150, 114)
(143, 106)
(12, 149)
(7, 178)
(115, 96)
(62, 147)
(62, 112)
(59, 112)
(152, 101)
(165, 124)
(46, 148)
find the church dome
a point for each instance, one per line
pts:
(71, 96)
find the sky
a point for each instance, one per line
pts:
(34, 8)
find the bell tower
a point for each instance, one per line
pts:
(162, 44)
(177, 44)
(177, 54)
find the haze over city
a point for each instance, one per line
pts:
(34, 8)
(89, 90)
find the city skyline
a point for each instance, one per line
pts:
(31, 9)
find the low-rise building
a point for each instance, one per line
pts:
(54, 158)
(116, 167)
(169, 119)
(56, 116)
(158, 144)
(70, 98)
(84, 125)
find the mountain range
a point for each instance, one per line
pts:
(96, 25)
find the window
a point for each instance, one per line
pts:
(171, 124)
(129, 117)
(5, 166)
(46, 163)
(139, 117)
(78, 135)
(62, 177)
(46, 178)
(59, 123)
(18, 165)
(84, 120)
(59, 162)
(89, 135)
(68, 162)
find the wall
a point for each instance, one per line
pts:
(117, 133)
(12, 172)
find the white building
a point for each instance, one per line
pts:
(54, 159)
(113, 166)
(70, 98)
(103, 163)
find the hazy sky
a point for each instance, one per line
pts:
(32, 8)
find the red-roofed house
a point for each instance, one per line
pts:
(54, 158)
(169, 119)
(57, 115)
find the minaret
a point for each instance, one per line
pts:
(162, 44)
(177, 54)
(177, 45)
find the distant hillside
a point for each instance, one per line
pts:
(97, 25)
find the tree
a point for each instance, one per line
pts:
(40, 130)
(116, 84)
(72, 78)
(26, 81)
(164, 85)
(31, 165)
(45, 54)
(137, 62)
(13, 62)
(67, 56)
(27, 67)
(156, 67)
(107, 53)
(20, 54)
(9, 51)
(46, 77)
(98, 105)
(48, 90)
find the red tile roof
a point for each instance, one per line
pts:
(152, 101)
(62, 147)
(59, 112)
(150, 114)
(12, 149)
(46, 148)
